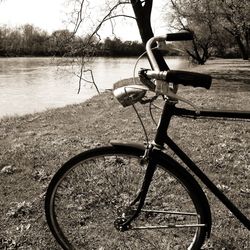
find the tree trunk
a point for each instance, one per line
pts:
(143, 18)
(243, 49)
(197, 56)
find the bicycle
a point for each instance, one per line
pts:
(118, 196)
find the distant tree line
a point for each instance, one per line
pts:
(28, 40)
(210, 40)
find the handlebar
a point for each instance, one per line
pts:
(174, 76)
(130, 94)
(180, 36)
(185, 78)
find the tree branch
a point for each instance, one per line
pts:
(120, 15)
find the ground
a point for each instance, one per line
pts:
(32, 148)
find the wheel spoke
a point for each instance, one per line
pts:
(167, 226)
(168, 212)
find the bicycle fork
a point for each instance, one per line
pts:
(127, 215)
(123, 224)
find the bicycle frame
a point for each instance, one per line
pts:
(162, 138)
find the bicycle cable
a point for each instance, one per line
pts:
(151, 105)
(133, 105)
(137, 61)
(151, 102)
(142, 124)
(151, 114)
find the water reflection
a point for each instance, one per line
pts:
(29, 85)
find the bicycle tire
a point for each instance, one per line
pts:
(74, 194)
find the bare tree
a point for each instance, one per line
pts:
(234, 16)
(197, 17)
(80, 17)
(111, 10)
(208, 19)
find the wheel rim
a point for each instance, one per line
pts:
(88, 196)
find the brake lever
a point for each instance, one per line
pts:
(145, 80)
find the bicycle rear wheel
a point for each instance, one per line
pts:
(92, 190)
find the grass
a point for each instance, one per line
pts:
(33, 147)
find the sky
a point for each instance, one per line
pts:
(46, 14)
(51, 15)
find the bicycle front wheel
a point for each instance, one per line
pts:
(93, 190)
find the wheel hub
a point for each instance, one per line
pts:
(123, 213)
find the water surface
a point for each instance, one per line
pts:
(30, 85)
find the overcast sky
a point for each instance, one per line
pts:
(46, 14)
(50, 15)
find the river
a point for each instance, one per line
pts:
(29, 85)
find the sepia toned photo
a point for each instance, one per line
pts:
(125, 124)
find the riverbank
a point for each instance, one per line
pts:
(34, 146)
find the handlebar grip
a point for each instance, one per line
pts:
(187, 78)
(180, 36)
